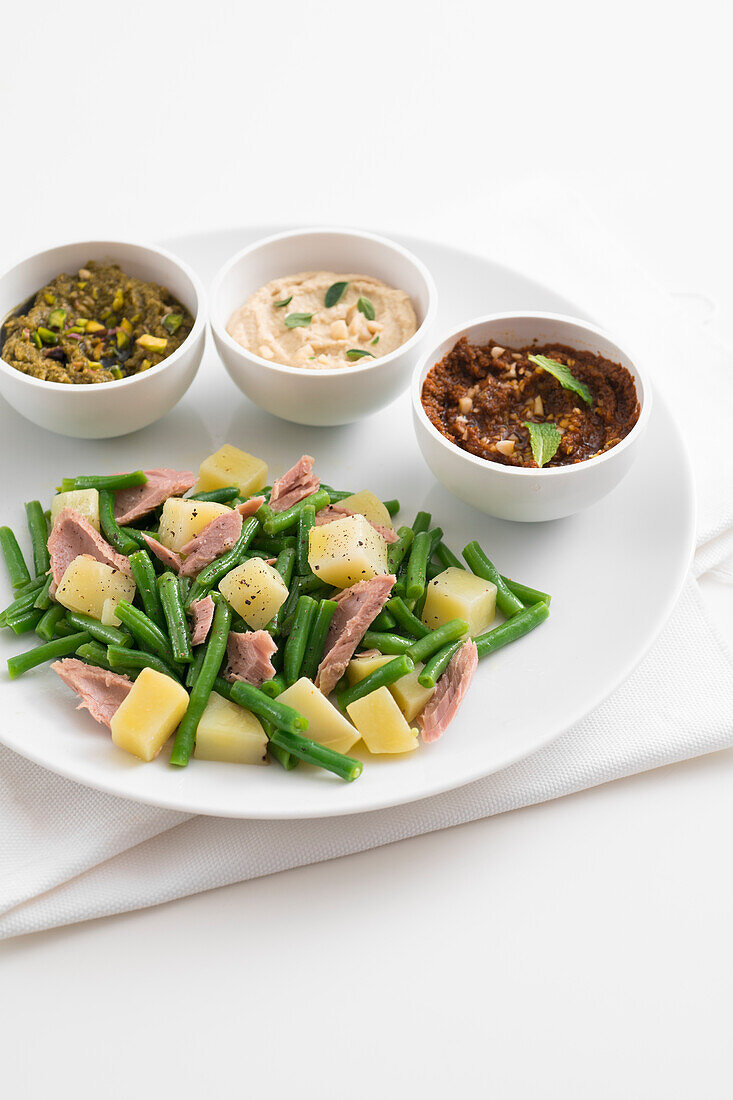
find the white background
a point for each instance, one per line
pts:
(577, 949)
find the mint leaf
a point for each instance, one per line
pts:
(564, 375)
(375, 340)
(298, 320)
(334, 293)
(285, 302)
(545, 439)
(365, 306)
(357, 353)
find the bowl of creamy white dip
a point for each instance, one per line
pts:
(322, 326)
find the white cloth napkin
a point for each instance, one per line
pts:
(68, 853)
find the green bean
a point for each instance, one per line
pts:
(381, 677)
(432, 570)
(337, 495)
(416, 566)
(184, 585)
(64, 629)
(115, 535)
(397, 550)
(527, 595)
(298, 638)
(107, 635)
(272, 710)
(516, 627)
(345, 767)
(437, 664)
(23, 621)
(195, 667)
(383, 621)
(43, 597)
(60, 647)
(447, 558)
(104, 481)
(201, 691)
(306, 523)
(392, 506)
(146, 633)
(422, 522)
(14, 559)
(46, 625)
(219, 496)
(436, 639)
(406, 619)
(218, 568)
(145, 579)
(274, 687)
(138, 537)
(38, 529)
(276, 522)
(24, 602)
(94, 654)
(385, 643)
(283, 758)
(478, 563)
(175, 617)
(122, 658)
(285, 565)
(317, 638)
(282, 621)
(272, 547)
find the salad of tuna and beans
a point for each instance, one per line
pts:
(251, 622)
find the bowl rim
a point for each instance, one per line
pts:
(199, 324)
(220, 332)
(427, 361)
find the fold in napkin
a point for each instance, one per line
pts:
(69, 853)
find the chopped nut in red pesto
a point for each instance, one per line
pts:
(480, 397)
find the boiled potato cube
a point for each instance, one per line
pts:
(144, 721)
(229, 732)
(409, 695)
(457, 594)
(255, 590)
(181, 520)
(381, 723)
(108, 616)
(370, 506)
(326, 724)
(230, 466)
(88, 583)
(83, 501)
(346, 551)
(361, 666)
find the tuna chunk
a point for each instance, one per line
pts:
(248, 657)
(337, 511)
(216, 538)
(162, 553)
(72, 536)
(357, 607)
(297, 483)
(451, 688)
(202, 613)
(101, 692)
(249, 507)
(132, 503)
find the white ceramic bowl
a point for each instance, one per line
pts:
(335, 396)
(510, 492)
(109, 408)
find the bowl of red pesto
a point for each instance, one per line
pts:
(529, 416)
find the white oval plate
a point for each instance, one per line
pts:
(614, 573)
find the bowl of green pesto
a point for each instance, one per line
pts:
(99, 338)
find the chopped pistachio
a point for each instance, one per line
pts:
(118, 301)
(145, 365)
(173, 322)
(84, 273)
(123, 338)
(37, 340)
(49, 298)
(47, 337)
(94, 326)
(116, 372)
(126, 326)
(151, 343)
(95, 293)
(135, 318)
(105, 314)
(93, 365)
(81, 285)
(74, 328)
(82, 321)
(56, 318)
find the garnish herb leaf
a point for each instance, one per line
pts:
(298, 320)
(357, 353)
(365, 306)
(285, 302)
(334, 293)
(564, 375)
(545, 439)
(375, 340)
